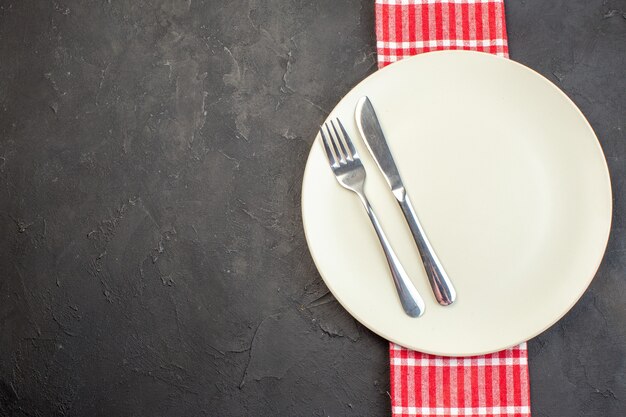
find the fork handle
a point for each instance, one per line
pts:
(411, 301)
(437, 277)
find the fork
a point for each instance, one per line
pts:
(350, 173)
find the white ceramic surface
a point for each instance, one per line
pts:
(510, 184)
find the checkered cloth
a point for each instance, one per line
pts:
(494, 385)
(409, 27)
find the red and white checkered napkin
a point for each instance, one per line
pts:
(410, 27)
(491, 385)
(494, 385)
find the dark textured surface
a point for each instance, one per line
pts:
(152, 259)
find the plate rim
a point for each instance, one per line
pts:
(606, 176)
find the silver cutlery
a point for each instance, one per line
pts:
(372, 133)
(350, 173)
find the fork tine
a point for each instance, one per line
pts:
(327, 148)
(336, 146)
(348, 141)
(340, 143)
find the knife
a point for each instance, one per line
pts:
(372, 133)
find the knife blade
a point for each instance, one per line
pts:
(372, 133)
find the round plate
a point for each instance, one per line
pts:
(511, 186)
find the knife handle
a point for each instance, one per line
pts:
(411, 301)
(437, 277)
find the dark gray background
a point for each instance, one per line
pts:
(152, 258)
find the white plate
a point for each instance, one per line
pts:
(510, 184)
